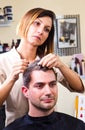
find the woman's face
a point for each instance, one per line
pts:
(39, 31)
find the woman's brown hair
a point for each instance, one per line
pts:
(25, 22)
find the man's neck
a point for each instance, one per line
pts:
(40, 113)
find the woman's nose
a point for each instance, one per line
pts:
(40, 30)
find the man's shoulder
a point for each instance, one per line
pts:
(66, 116)
(72, 121)
(18, 123)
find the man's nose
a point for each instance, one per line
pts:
(47, 89)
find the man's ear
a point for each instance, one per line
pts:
(25, 91)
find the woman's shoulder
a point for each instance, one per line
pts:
(10, 54)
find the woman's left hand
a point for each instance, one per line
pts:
(51, 60)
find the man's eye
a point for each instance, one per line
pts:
(39, 86)
(53, 84)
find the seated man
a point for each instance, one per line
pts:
(40, 89)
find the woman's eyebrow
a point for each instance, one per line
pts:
(45, 25)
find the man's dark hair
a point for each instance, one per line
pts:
(32, 67)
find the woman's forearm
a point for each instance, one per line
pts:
(5, 89)
(72, 78)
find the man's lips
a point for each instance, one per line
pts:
(48, 100)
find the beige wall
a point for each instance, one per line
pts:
(60, 7)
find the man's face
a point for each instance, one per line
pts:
(42, 92)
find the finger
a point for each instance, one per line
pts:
(48, 60)
(21, 63)
(44, 58)
(52, 63)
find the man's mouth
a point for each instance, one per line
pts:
(48, 100)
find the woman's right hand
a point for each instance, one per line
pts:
(5, 88)
(17, 68)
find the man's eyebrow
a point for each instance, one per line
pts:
(45, 82)
(39, 83)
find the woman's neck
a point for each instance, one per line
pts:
(27, 53)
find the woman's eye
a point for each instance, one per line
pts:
(47, 30)
(36, 23)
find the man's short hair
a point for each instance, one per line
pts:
(32, 67)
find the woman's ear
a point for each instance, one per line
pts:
(25, 91)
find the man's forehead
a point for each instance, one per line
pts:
(42, 71)
(42, 74)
